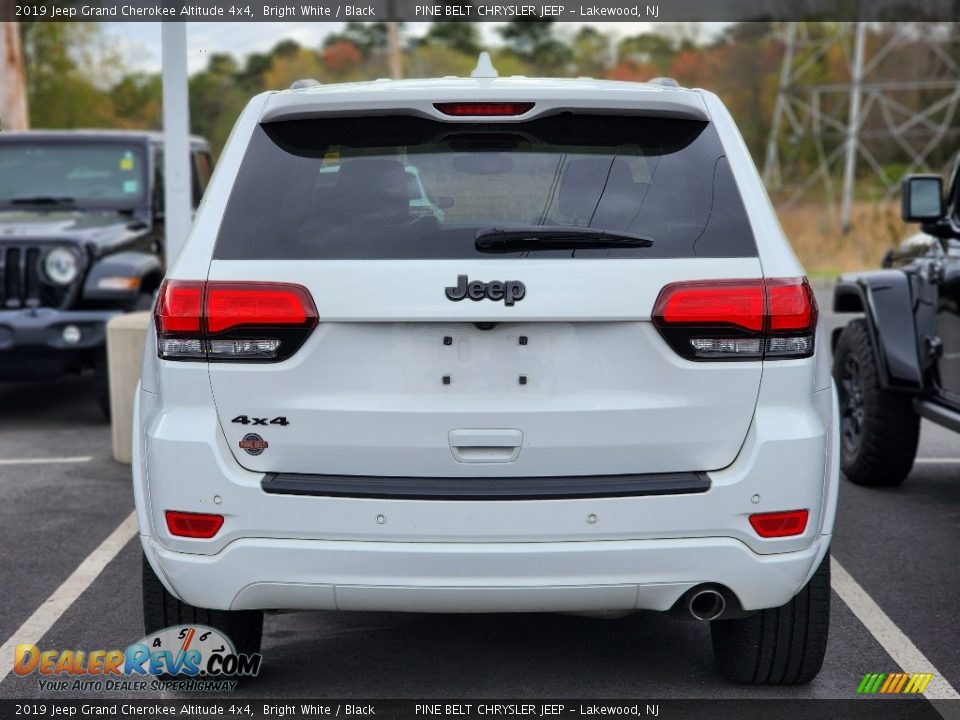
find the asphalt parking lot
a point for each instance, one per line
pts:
(61, 495)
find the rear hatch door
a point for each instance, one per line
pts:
(438, 355)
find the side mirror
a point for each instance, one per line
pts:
(445, 202)
(921, 198)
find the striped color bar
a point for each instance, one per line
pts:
(894, 683)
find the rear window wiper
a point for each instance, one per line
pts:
(42, 200)
(513, 238)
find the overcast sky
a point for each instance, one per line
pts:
(140, 41)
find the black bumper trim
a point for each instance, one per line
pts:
(486, 488)
(41, 328)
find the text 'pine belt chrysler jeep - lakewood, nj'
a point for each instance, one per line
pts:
(591, 384)
(81, 232)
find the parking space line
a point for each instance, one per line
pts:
(46, 461)
(891, 638)
(43, 618)
(940, 461)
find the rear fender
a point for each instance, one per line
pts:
(885, 299)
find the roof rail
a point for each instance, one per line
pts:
(663, 82)
(304, 83)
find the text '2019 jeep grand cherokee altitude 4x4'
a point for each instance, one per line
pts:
(592, 384)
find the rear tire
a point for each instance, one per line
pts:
(162, 610)
(879, 430)
(779, 646)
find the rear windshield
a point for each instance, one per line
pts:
(399, 187)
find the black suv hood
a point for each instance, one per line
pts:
(102, 229)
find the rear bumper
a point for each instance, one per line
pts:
(296, 551)
(262, 573)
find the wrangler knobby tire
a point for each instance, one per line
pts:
(889, 429)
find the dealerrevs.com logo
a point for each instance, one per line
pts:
(184, 657)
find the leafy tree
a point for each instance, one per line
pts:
(429, 60)
(533, 42)
(254, 68)
(68, 70)
(632, 71)
(216, 99)
(462, 37)
(285, 49)
(222, 64)
(592, 51)
(286, 69)
(341, 58)
(507, 63)
(650, 49)
(138, 100)
(369, 38)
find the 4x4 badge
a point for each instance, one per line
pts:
(510, 291)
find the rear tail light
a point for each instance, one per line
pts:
(223, 321)
(770, 319)
(193, 525)
(780, 524)
(490, 109)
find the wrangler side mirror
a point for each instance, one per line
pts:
(921, 198)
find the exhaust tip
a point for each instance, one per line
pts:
(706, 605)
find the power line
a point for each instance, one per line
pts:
(828, 133)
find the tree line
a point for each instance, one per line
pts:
(76, 79)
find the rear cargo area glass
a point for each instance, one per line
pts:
(404, 187)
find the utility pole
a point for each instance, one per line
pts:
(854, 122)
(13, 87)
(394, 58)
(393, 38)
(176, 135)
(827, 135)
(771, 166)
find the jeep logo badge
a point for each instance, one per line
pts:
(510, 291)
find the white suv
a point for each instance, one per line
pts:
(591, 384)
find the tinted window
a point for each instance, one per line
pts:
(405, 187)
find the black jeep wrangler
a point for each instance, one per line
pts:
(901, 360)
(81, 233)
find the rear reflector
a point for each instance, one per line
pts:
(193, 525)
(232, 321)
(780, 524)
(768, 319)
(491, 109)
